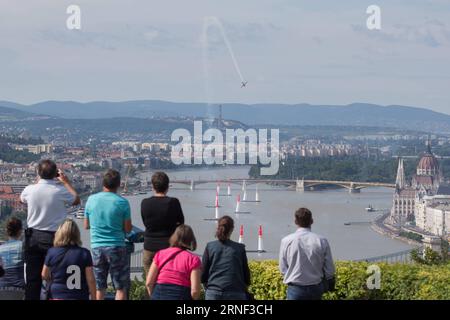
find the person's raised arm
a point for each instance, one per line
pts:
(23, 196)
(66, 183)
(195, 283)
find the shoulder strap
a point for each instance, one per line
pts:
(170, 258)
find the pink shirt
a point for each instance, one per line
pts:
(177, 270)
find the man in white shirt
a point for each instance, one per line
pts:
(305, 261)
(46, 202)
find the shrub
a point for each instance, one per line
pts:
(138, 290)
(266, 281)
(398, 282)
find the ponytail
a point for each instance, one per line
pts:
(225, 227)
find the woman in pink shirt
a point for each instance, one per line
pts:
(175, 272)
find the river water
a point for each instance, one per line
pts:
(330, 208)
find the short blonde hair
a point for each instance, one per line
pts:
(68, 234)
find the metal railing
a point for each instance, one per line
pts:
(136, 265)
(397, 257)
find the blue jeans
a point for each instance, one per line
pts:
(313, 292)
(171, 292)
(224, 295)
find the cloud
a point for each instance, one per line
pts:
(252, 32)
(432, 33)
(141, 37)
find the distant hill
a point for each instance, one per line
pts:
(92, 127)
(356, 114)
(14, 114)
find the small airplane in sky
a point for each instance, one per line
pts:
(243, 84)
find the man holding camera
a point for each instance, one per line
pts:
(46, 202)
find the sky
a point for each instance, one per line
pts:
(289, 51)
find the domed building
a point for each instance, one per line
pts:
(424, 183)
(428, 173)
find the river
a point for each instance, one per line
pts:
(275, 213)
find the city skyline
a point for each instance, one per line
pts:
(288, 51)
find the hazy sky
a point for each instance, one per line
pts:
(290, 51)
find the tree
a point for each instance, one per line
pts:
(430, 257)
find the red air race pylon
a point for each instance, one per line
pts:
(217, 206)
(241, 234)
(260, 240)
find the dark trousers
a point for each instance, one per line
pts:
(225, 295)
(37, 243)
(147, 260)
(313, 292)
(171, 292)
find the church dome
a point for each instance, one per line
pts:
(428, 164)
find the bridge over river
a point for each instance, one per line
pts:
(299, 184)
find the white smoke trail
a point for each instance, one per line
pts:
(207, 23)
(214, 20)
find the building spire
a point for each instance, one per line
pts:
(429, 146)
(400, 181)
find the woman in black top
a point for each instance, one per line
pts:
(226, 274)
(161, 215)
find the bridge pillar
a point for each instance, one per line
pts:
(300, 185)
(352, 189)
(192, 185)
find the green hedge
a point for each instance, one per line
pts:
(398, 282)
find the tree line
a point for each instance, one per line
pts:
(354, 168)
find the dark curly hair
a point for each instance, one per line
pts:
(13, 227)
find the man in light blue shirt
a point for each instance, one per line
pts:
(108, 217)
(305, 261)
